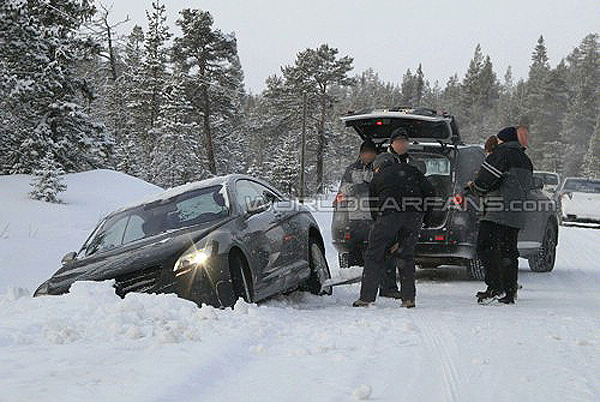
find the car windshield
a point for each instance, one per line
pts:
(547, 178)
(185, 210)
(582, 186)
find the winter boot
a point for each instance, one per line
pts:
(360, 303)
(509, 298)
(408, 303)
(391, 294)
(489, 295)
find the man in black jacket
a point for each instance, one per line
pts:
(399, 144)
(397, 192)
(355, 186)
(505, 180)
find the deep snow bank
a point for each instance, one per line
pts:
(34, 235)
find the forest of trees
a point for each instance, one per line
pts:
(172, 109)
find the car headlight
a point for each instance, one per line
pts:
(192, 259)
(44, 289)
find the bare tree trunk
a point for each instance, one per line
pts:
(212, 166)
(111, 52)
(321, 148)
(303, 149)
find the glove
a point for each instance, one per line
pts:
(470, 186)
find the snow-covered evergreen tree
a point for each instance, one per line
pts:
(40, 87)
(479, 93)
(591, 167)
(132, 149)
(155, 62)
(580, 120)
(175, 159)
(210, 60)
(315, 72)
(48, 180)
(285, 166)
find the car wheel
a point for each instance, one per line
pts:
(544, 259)
(475, 269)
(242, 282)
(319, 270)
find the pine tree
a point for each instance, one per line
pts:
(154, 68)
(210, 60)
(38, 73)
(133, 144)
(284, 166)
(539, 73)
(479, 93)
(175, 159)
(408, 89)
(591, 166)
(580, 120)
(315, 72)
(48, 180)
(555, 102)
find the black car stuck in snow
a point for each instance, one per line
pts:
(449, 235)
(210, 242)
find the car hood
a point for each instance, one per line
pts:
(155, 252)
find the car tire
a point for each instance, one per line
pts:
(545, 258)
(319, 269)
(242, 282)
(475, 269)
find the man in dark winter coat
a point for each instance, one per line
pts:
(505, 180)
(355, 186)
(397, 192)
(399, 143)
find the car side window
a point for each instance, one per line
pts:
(248, 193)
(267, 194)
(108, 237)
(134, 229)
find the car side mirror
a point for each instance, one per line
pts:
(538, 183)
(68, 258)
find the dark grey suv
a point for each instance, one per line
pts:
(449, 236)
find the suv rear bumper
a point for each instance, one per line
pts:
(437, 254)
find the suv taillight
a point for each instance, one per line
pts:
(458, 200)
(339, 199)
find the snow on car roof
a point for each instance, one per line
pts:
(175, 191)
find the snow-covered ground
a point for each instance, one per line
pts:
(90, 345)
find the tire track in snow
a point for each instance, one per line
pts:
(439, 351)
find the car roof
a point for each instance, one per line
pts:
(196, 185)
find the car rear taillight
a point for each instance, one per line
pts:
(339, 198)
(347, 237)
(439, 237)
(458, 200)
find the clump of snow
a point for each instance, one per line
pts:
(92, 313)
(363, 392)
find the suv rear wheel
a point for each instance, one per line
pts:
(475, 269)
(543, 260)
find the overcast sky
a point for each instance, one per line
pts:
(389, 36)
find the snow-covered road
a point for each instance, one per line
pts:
(90, 345)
